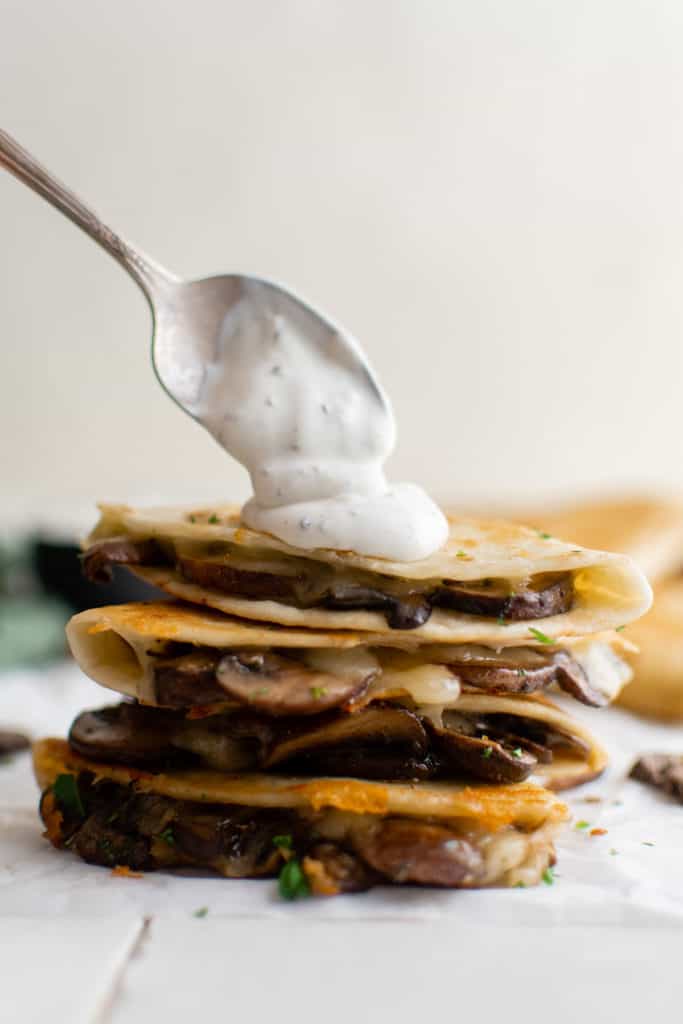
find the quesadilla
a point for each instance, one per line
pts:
(492, 583)
(650, 530)
(216, 693)
(325, 836)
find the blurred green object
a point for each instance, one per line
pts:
(31, 630)
(31, 623)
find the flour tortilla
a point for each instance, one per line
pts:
(648, 529)
(524, 805)
(609, 589)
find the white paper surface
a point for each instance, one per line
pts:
(637, 884)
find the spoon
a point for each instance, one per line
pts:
(188, 315)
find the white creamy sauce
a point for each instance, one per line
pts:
(294, 400)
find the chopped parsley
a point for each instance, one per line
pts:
(461, 554)
(517, 752)
(541, 637)
(619, 628)
(67, 795)
(282, 842)
(213, 519)
(201, 912)
(520, 885)
(582, 824)
(501, 621)
(193, 519)
(544, 536)
(486, 752)
(292, 882)
(521, 672)
(548, 876)
(167, 836)
(317, 692)
(645, 843)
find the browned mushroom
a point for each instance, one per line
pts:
(482, 757)
(544, 595)
(414, 851)
(279, 685)
(373, 726)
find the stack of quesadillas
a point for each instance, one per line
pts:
(336, 720)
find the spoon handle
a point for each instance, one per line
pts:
(153, 279)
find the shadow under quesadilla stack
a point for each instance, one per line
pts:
(337, 720)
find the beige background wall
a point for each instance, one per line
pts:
(489, 194)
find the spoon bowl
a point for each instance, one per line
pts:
(189, 316)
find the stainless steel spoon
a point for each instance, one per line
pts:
(188, 315)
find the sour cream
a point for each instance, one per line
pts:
(294, 400)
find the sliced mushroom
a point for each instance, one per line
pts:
(405, 612)
(371, 727)
(530, 731)
(257, 585)
(279, 685)
(12, 742)
(100, 557)
(483, 757)
(519, 670)
(414, 851)
(188, 680)
(544, 595)
(126, 734)
(573, 680)
(387, 764)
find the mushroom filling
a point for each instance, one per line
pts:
(112, 825)
(308, 682)
(382, 741)
(304, 583)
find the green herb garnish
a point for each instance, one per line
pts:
(201, 912)
(520, 885)
(544, 536)
(213, 519)
(193, 519)
(292, 883)
(517, 752)
(521, 672)
(486, 752)
(282, 842)
(67, 795)
(501, 621)
(582, 824)
(167, 836)
(541, 637)
(619, 628)
(548, 876)
(317, 692)
(648, 844)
